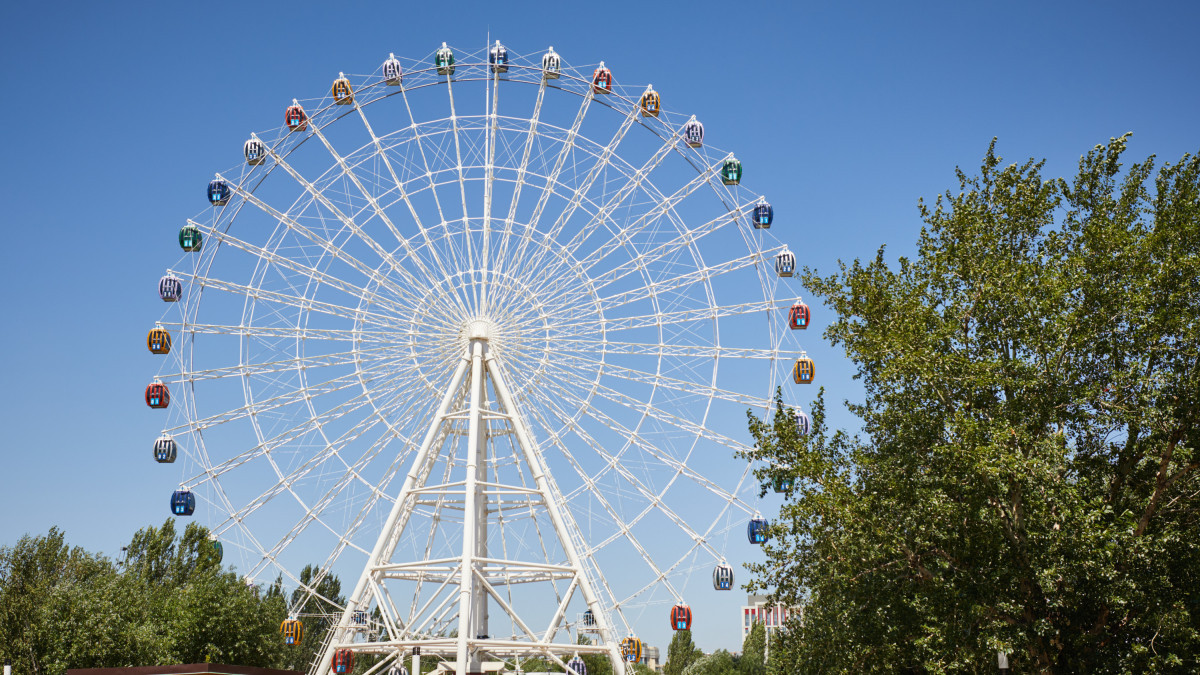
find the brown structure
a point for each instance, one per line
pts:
(186, 669)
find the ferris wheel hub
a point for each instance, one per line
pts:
(479, 329)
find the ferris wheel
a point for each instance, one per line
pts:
(479, 330)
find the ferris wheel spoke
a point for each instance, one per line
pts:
(624, 236)
(287, 332)
(319, 196)
(682, 316)
(639, 176)
(688, 387)
(379, 212)
(304, 304)
(308, 272)
(330, 247)
(585, 186)
(568, 144)
(462, 187)
(522, 169)
(626, 529)
(336, 384)
(586, 345)
(679, 281)
(636, 440)
(400, 189)
(349, 358)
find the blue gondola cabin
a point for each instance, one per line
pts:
(764, 215)
(756, 530)
(183, 503)
(218, 192)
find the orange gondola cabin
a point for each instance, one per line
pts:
(602, 80)
(158, 340)
(292, 631)
(651, 102)
(342, 93)
(804, 370)
(343, 661)
(631, 649)
(157, 395)
(681, 617)
(798, 316)
(294, 118)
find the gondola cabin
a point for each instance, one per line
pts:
(165, 449)
(804, 370)
(693, 133)
(170, 288)
(397, 669)
(183, 503)
(359, 617)
(763, 215)
(551, 65)
(215, 549)
(803, 422)
(158, 340)
(190, 238)
(785, 263)
(602, 80)
(589, 620)
(295, 118)
(292, 631)
(576, 666)
(631, 649)
(443, 59)
(157, 395)
(722, 577)
(255, 151)
(681, 617)
(343, 94)
(393, 74)
(731, 171)
(781, 485)
(343, 661)
(498, 58)
(218, 192)
(650, 103)
(798, 316)
(756, 530)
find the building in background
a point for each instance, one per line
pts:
(772, 617)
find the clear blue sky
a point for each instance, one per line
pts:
(844, 113)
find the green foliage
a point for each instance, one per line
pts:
(681, 653)
(720, 662)
(1028, 480)
(169, 602)
(597, 664)
(754, 651)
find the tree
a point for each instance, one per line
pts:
(681, 653)
(1027, 481)
(597, 664)
(754, 651)
(316, 603)
(720, 662)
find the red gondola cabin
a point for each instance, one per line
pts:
(157, 395)
(602, 80)
(343, 661)
(295, 119)
(798, 316)
(681, 617)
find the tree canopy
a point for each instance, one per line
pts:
(1025, 478)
